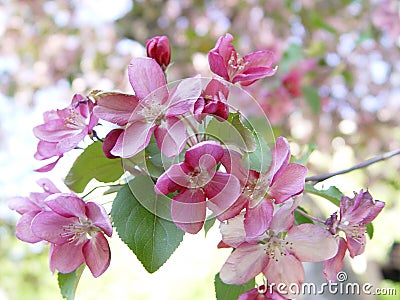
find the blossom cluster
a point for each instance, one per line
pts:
(255, 207)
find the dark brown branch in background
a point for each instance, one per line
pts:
(318, 178)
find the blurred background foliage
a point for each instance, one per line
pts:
(337, 88)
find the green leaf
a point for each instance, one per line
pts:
(260, 159)
(312, 97)
(232, 132)
(318, 22)
(291, 55)
(69, 282)
(156, 162)
(370, 229)
(137, 219)
(304, 158)
(209, 223)
(333, 194)
(299, 218)
(93, 164)
(225, 291)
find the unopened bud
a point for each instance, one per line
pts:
(159, 49)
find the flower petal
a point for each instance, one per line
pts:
(188, 210)
(283, 218)
(258, 218)
(146, 77)
(246, 262)
(360, 209)
(333, 265)
(49, 166)
(96, 252)
(356, 246)
(66, 258)
(183, 96)
(48, 186)
(49, 226)
(46, 150)
(205, 155)
(232, 231)
(219, 56)
(53, 131)
(172, 179)
(114, 107)
(98, 215)
(222, 192)
(232, 161)
(280, 155)
(290, 182)
(109, 142)
(286, 270)
(72, 141)
(312, 243)
(171, 136)
(66, 205)
(23, 230)
(22, 205)
(134, 139)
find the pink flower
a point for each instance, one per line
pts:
(159, 49)
(152, 109)
(64, 129)
(281, 182)
(75, 230)
(196, 180)
(227, 63)
(29, 207)
(213, 101)
(355, 213)
(292, 81)
(261, 293)
(109, 142)
(278, 253)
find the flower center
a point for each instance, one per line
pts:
(355, 231)
(74, 120)
(256, 189)
(198, 178)
(153, 112)
(236, 64)
(275, 245)
(79, 232)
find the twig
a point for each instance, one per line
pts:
(309, 217)
(318, 178)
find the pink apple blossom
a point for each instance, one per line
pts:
(227, 63)
(153, 108)
(355, 213)
(196, 180)
(278, 253)
(159, 49)
(29, 207)
(64, 129)
(292, 81)
(75, 230)
(213, 101)
(282, 181)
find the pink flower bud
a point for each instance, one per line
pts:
(159, 49)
